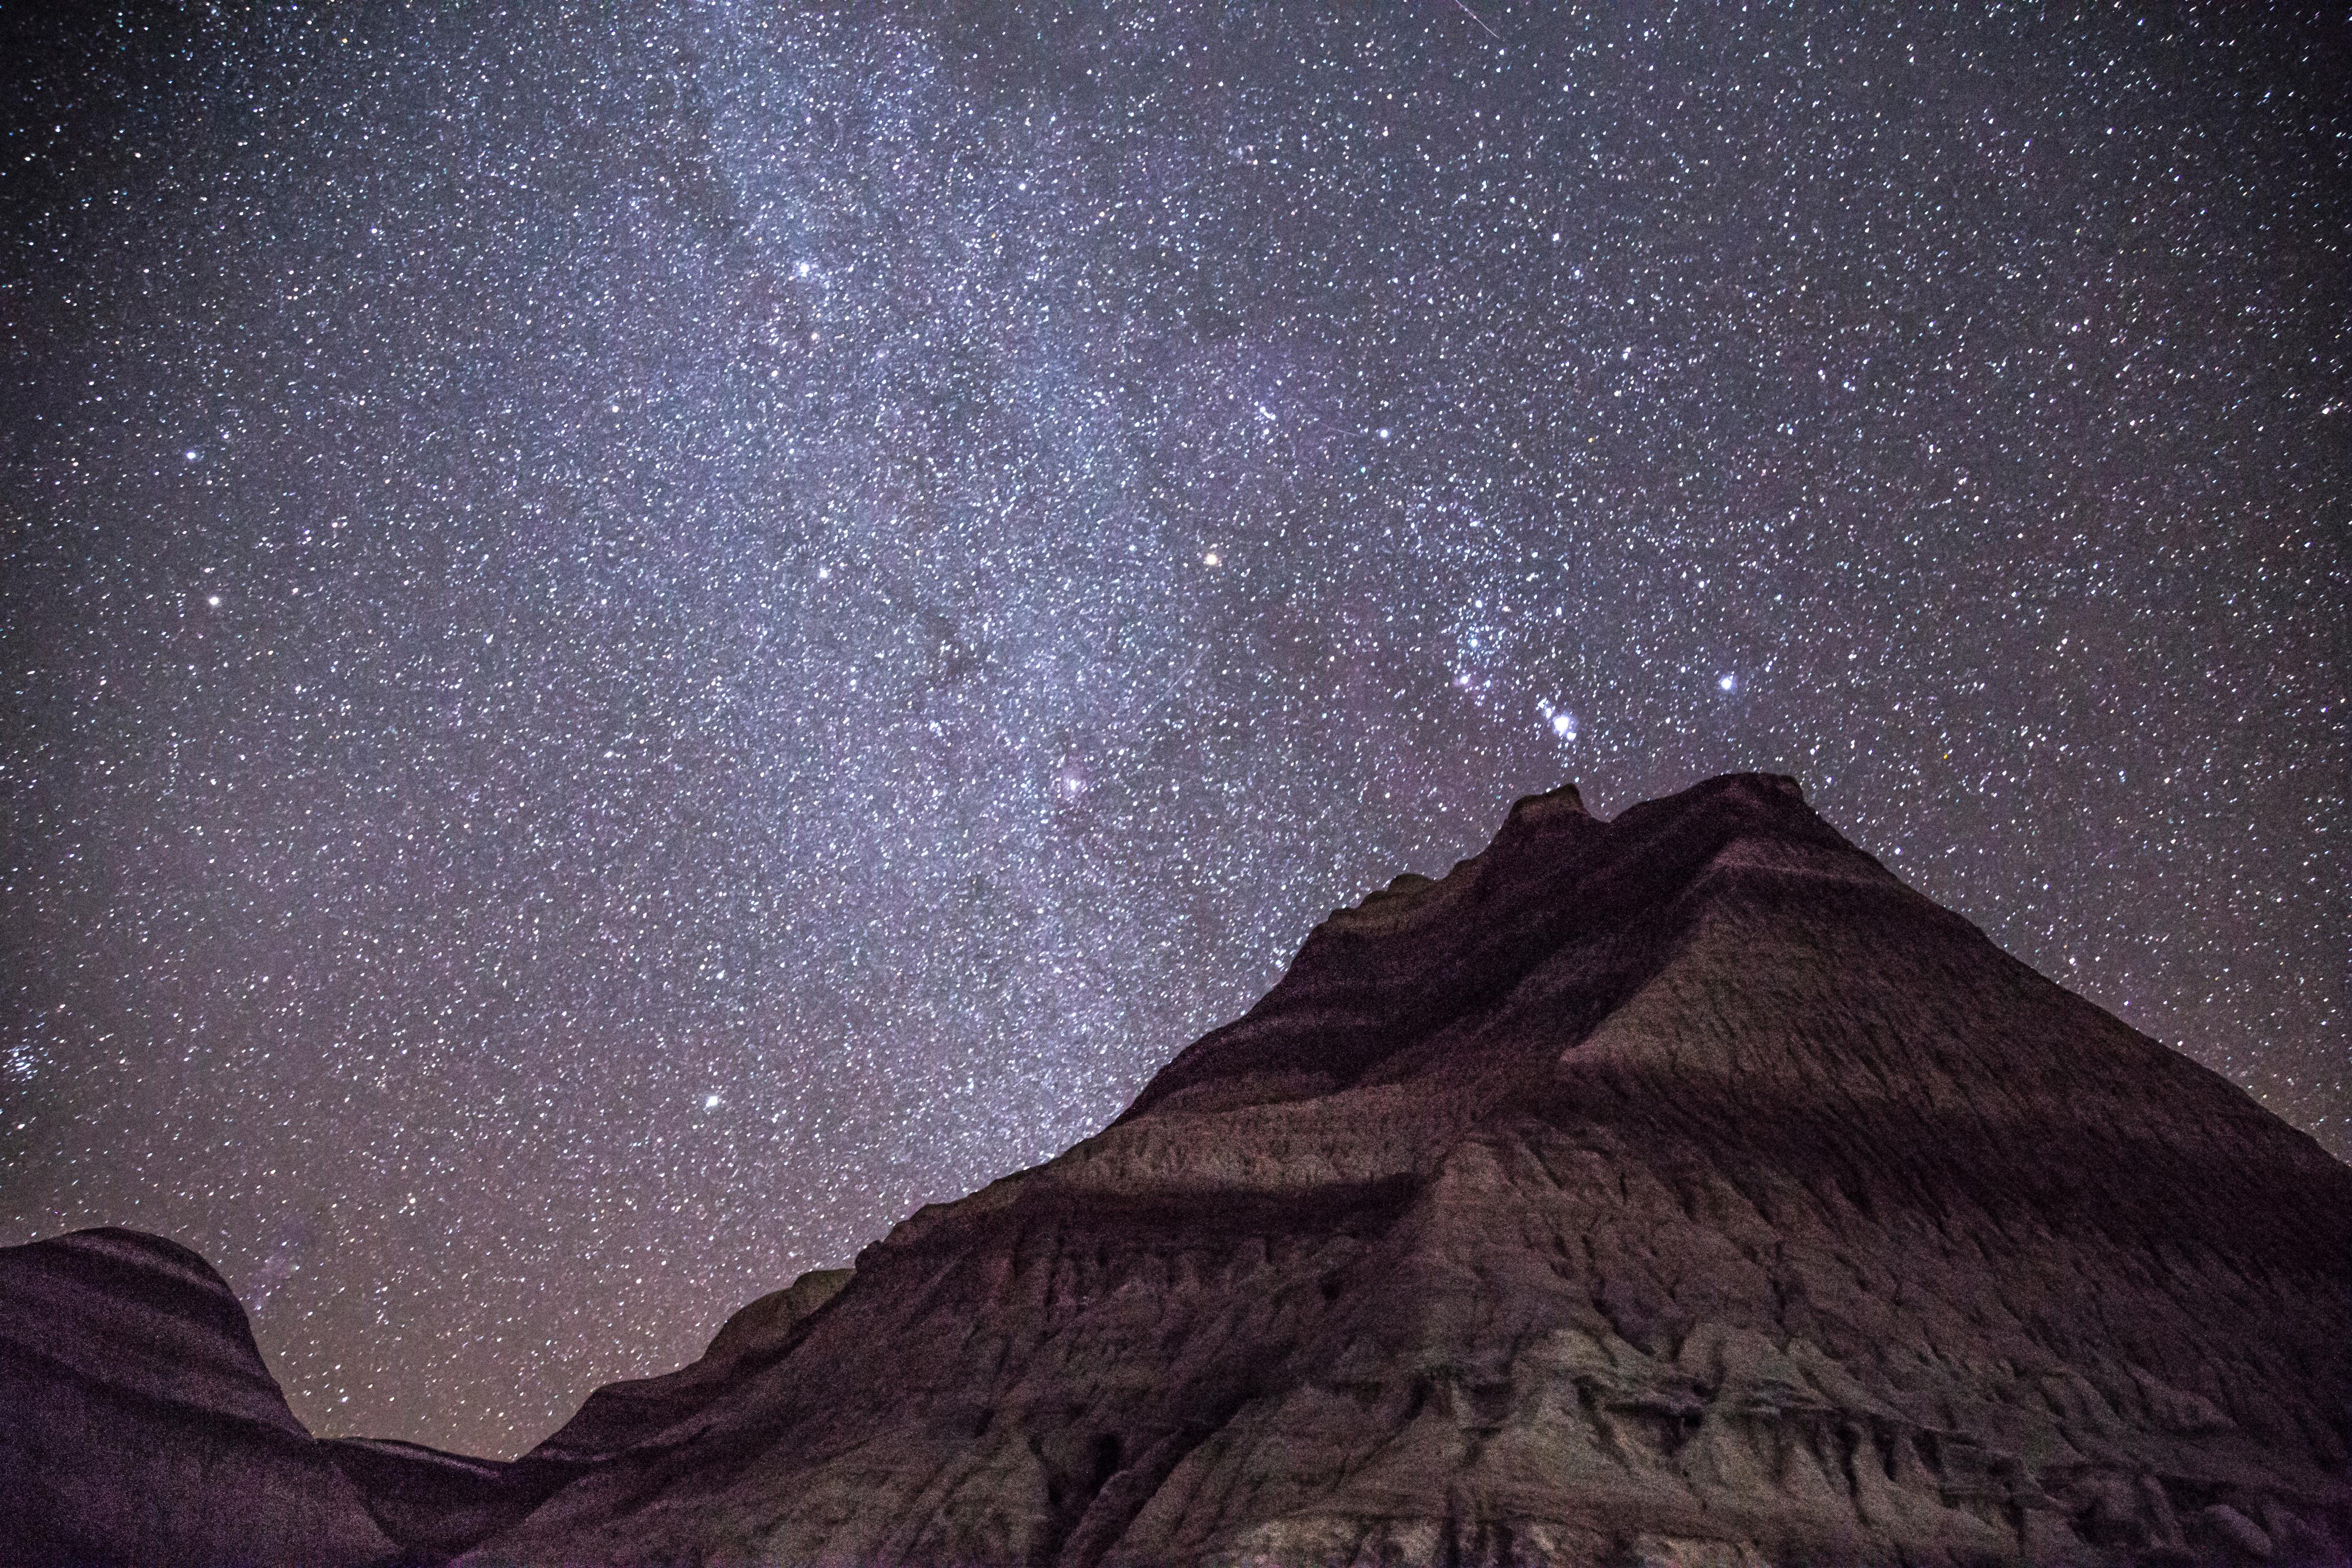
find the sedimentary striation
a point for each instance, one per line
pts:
(1676, 1189)
(139, 1426)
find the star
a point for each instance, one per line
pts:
(738, 516)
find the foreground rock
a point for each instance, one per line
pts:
(140, 1426)
(1677, 1189)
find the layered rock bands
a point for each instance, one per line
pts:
(1675, 1190)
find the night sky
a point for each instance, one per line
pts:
(634, 641)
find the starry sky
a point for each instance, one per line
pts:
(638, 638)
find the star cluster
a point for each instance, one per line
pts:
(638, 638)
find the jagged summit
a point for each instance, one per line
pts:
(1420, 957)
(1679, 1188)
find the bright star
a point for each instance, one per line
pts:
(1726, 683)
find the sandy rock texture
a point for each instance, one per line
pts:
(1676, 1189)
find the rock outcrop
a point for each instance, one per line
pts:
(139, 1425)
(1680, 1188)
(1675, 1190)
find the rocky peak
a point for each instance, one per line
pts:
(1556, 886)
(141, 1424)
(1674, 1189)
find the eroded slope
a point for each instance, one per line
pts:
(1679, 1186)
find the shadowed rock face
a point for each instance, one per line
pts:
(438, 1504)
(140, 1426)
(1677, 1189)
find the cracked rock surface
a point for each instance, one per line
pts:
(1679, 1190)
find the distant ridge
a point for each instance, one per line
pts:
(1675, 1190)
